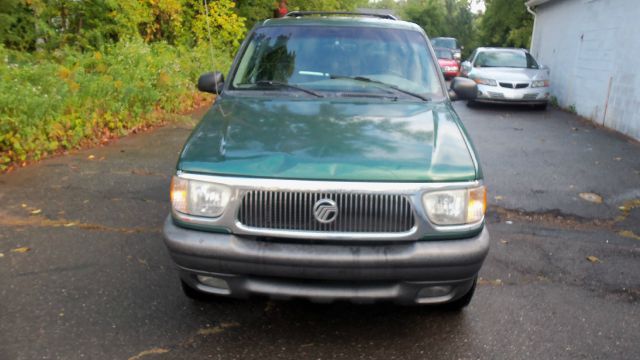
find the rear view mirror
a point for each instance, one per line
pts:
(211, 82)
(463, 89)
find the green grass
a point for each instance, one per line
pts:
(66, 99)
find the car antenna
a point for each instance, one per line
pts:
(213, 64)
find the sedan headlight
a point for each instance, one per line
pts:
(488, 82)
(456, 207)
(540, 83)
(199, 198)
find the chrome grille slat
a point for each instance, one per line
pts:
(357, 212)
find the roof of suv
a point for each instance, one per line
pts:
(342, 20)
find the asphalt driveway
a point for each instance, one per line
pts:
(84, 272)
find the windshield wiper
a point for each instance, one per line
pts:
(290, 86)
(387, 85)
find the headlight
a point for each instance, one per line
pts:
(488, 82)
(455, 207)
(199, 198)
(540, 83)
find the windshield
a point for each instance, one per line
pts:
(444, 54)
(447, 43)
(323, 58)
(511, 59)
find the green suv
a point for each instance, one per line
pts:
(332, 166)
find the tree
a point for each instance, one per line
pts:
(255, 10)
(430, 14)
(506, 23)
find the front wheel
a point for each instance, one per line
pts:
(461, 303)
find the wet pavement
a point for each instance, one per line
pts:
(84, 272)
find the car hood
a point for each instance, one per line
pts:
(339, 139)
(510, 74)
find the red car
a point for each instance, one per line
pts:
(450, 67)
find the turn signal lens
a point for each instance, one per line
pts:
(179, 194)
(477, 204)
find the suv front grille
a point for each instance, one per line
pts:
(356, 212)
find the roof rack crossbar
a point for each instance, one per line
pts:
(311, 13)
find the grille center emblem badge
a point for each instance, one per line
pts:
(325, 210)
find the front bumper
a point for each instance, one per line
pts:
(451, 74)
(501, 95)
(409, 272)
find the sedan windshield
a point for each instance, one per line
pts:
(327, 59)
(507, 58)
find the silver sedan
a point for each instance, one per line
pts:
(507, 75)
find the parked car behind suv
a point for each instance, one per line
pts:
(449, 43)
(331, 166)
(507, 75)
(449, 66)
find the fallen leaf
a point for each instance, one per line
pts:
(154, 351)
(593, 259)
(1, 255)
(22, 249)
(629, 234)
(217, 329)
(24, 205)
(496, 282)
(91, 157)
(591, 197)
(498, 197)
(36, 211)
(504, 241)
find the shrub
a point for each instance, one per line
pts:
(60, 100)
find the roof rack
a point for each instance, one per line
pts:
(311, 13)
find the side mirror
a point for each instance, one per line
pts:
(465, 67)
(463, 89)
(210, 82)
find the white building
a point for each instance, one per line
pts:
(593, 50)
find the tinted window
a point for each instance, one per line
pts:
(507, 58)
(448, 43)
(444, 54)
(309, 55)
